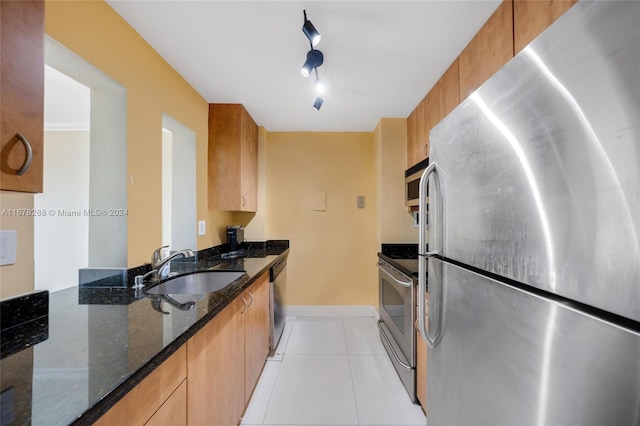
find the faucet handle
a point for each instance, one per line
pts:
(139, 279)
(156, 257)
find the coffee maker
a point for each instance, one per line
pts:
(235, 237)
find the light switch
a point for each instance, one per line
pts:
(201, 227)
(361, 201)
(8, 244)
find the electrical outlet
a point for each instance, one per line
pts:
(361, 201)
(201, 227)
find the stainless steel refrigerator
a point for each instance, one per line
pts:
(534, 227)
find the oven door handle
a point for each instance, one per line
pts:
(406, 284)
(393, 352)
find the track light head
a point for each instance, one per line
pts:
(310, 31)
(318, 103)
(320, 87)
(315, 58)
(312, 34)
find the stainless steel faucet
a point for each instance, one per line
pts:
(159, 264)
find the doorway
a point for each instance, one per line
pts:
(85, 172)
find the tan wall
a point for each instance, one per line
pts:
(396, 223)
(333, 252)
(94, 31)
(18, 278)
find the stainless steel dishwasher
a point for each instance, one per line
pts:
(277, 300)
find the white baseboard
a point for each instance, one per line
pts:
(349, 311)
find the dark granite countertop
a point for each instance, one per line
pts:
(408, 267)
(102, 341)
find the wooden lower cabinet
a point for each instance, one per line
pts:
(256, 332)
(146, 400)
(421, 364)
(215, 365)
(209, 380)
(225, 358)
(174, 411)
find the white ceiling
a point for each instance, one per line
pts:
(380, 57)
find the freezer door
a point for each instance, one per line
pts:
(507, 357)
(539, 169)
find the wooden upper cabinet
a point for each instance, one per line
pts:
(233, 158)
(417, 139)
(532, 17)
(489, 50)
(411, 136)
(440, 101)
(22, 89)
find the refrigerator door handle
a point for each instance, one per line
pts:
(422, 256)
(422, 211)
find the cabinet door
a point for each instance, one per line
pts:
(532, 17)
(256, 320)
(489, 50)
(215, 362)
(412, 137)
(139, 405)
(22, 88)
(440, 101)
(448, 96)
(233, 158)
(418, 133)
(174, 410)
(249, 164)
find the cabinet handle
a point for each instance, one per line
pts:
(27, 161)
(424, 150)
(251, 296)
(244, 201)
(244, 308)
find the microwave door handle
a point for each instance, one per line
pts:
(432, 342)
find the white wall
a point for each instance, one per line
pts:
(108, 181)
(62, 241)
(167, 179)
(183, 226)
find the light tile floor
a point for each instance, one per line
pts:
(331, 371)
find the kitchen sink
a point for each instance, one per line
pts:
(198, 283)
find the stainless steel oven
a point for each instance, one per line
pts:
(397, 317)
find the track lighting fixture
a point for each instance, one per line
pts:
(315, 58)
(310, 31)
(318, 103)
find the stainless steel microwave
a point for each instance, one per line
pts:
(412, 183)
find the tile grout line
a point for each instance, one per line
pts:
(275, 382)
(353, 387)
